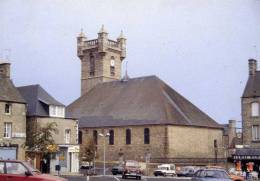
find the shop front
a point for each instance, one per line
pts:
(248, 159)
(66, 158)
(8, 153)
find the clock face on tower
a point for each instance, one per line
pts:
(112, 63)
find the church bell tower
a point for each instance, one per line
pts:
(101, 59)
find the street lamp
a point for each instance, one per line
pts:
(106, 135)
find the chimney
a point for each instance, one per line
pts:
(231, 130)
(252, 63)
(4, 70)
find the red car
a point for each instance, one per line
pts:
(13, 170)
(132, 169)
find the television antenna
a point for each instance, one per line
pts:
(8, 53)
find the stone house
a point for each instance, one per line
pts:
(43, 109)
(250, 100)
(12, 117)
(146, 119)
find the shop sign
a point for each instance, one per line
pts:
(246, 157)
(74, 149)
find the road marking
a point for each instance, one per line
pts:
(116, 178)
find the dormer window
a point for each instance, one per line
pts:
(255, 109)
(57, 111)
(8, 108)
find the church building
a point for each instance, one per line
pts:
(144, 118)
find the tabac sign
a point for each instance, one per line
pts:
(246, 157)
(74, 149)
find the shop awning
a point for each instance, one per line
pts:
(247, 154)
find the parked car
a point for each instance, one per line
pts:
(132, 169)
(87, 170)
(117, 170)
(14, 170)
(165, 169)
(187, 171)
(211, 174)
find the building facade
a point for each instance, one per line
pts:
(101, 59)
(42, 110)
(147, 120)
(249, 152)
(12, 117)
(157, 143)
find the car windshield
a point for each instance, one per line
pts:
(186, 169)
(220, 174)
(131, 164)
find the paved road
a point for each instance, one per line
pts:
(112, 178)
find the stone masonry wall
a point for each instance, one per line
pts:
(194, 142)
(18, 120)
(102, 69)
(62, 124)
(249, 121)
(166, 143)
(137, 150)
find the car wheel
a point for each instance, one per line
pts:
(164, 174)
(155, 175)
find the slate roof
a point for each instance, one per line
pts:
(252, 88)
(138, 101)
(8, 92)
(38, 100)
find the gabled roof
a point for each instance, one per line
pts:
(252, 88)
(38, 100)
(145, 100)
(8, 92)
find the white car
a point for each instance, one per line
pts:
(165, 170)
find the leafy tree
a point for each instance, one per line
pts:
(87, 152)
(42, 139)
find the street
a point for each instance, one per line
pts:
(119, 178)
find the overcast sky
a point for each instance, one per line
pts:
(199, 47)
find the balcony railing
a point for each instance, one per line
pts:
(112, 43)
(92, 42)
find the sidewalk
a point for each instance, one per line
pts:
(67, 174)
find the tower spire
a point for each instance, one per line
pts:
(121, 36)
(102, 30)
(81, 34)
(126, 77)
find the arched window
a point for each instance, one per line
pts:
(128, 137)
(255, 109)
(80, 137)
(91, 65)
(146, 136)
(95, 137)
(112, 66)
(111, 137)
